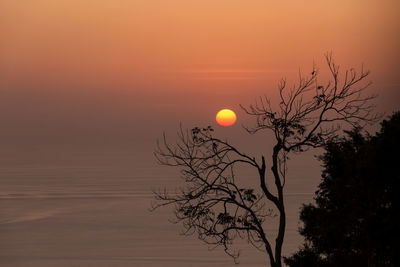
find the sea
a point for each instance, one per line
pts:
(92, 208)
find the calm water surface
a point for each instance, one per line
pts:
(84, 209)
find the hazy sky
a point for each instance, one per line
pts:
(103, 72)
(87, 86)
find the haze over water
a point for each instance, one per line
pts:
(86, 88)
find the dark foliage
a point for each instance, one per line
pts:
(353, 222)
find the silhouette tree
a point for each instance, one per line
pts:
(213, 205)
(353, 222)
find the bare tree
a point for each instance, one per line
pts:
(213, 205)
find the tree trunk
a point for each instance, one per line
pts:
(280, 237)
(280, 205)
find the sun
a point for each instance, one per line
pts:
(226, 117)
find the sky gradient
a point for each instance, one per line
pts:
(78, 75)
(87, 86)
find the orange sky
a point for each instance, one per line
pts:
(87, 86)
(66, 62)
